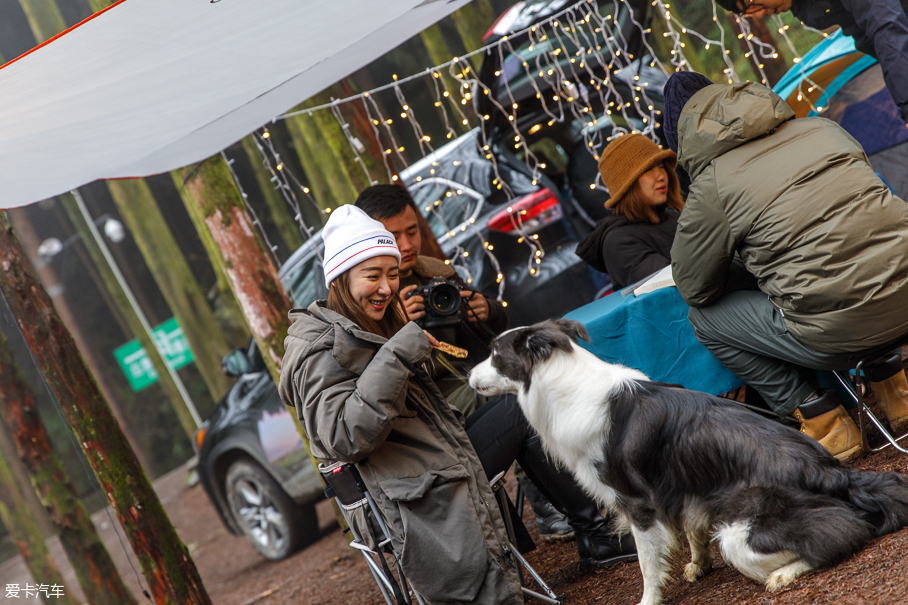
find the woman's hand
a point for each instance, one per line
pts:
(432, 340)
(415, 306)
(477, 303)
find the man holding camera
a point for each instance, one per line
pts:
(472, 327)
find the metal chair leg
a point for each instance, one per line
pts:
(857, 388)
(497, 485)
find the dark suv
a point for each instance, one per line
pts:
(563, 145)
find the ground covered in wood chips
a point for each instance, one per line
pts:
(328, 572)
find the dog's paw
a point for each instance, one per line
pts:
(693, 571)
(784, 576)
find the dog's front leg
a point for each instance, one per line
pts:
(654, 546)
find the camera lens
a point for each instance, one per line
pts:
(445, 300)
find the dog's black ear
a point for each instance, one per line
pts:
(574, 329)
(537, 344)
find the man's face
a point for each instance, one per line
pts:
(405, 230)
(762, 8)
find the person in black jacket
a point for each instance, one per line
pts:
(481, 318)
(636, 240)
(879, 29)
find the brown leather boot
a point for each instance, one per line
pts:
(825, 420)
(888, 383)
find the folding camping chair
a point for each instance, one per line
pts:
(346, 486)
(857, 385)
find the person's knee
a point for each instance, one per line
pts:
(700, 326)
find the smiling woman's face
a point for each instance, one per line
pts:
(373, 284)
(654, 185)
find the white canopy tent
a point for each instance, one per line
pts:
(148, 86)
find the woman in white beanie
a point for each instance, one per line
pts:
(356, 371)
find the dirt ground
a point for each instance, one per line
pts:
(328, 572)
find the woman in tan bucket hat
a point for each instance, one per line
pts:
(636, 240)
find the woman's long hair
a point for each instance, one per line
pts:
(637, 208)
(341, 301)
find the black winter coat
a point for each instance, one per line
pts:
(630, 251)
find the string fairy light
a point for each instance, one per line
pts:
(373, 123)
(799, 61)
(581, 61)
(281, 178)
(755, 47)
(355, 144)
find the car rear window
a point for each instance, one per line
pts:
(447, 205)
(305, 282)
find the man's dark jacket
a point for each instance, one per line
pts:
(879, 29)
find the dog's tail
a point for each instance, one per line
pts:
(881, 499)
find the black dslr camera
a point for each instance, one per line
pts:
(442, 299)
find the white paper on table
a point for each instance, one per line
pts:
(658, 280)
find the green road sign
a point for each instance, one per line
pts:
(137, 366)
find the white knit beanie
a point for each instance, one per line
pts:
(352, 236)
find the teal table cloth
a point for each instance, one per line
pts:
(651, 333)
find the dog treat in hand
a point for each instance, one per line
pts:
(451, 350)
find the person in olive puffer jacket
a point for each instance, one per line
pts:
(794, 206)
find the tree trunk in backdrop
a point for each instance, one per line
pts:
(317, 180)
(230, 314)
(364, 130)
(325, 147)
(332, 134)
(129, 314)
(26, 534)
(50, 281)
(281, 212)
(174, 278)
(44, 18)
(472, 22)
(247, 263)
(95, 570)
(439, 52)
(170, 572)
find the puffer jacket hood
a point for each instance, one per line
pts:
(720, 118)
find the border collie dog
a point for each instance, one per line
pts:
(667, 460)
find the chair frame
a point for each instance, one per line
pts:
(550, 598)
(397, 590)
(857, 385)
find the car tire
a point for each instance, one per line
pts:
(274, 524)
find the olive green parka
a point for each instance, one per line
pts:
(368, 400)
(799, 202)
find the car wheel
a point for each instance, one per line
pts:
(274, 524)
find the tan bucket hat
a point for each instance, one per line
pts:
(628, 157)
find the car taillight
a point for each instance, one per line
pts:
(528, 215)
